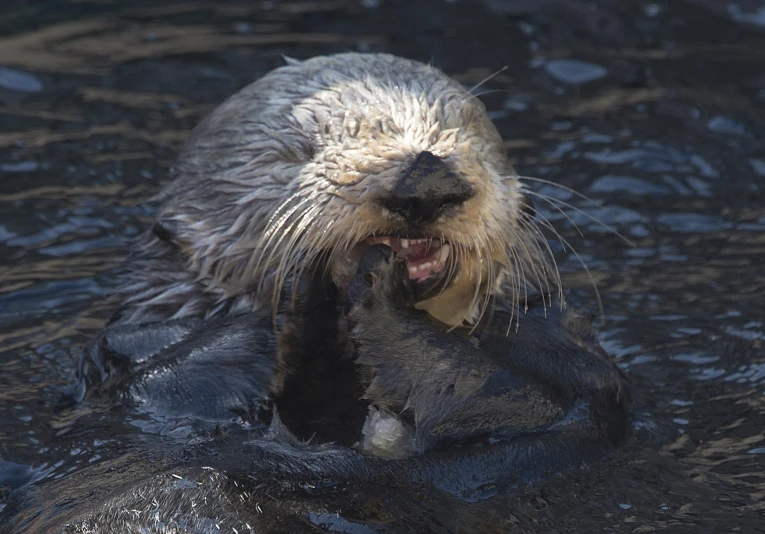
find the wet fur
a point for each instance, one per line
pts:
(228, 298)
(287, 174)
(452, 385)
(547, 398)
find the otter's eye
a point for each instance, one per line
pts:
(370, 279)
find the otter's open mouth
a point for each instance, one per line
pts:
(424, 257)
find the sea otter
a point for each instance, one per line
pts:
(239, 295)
(451, 418)
(343, 241)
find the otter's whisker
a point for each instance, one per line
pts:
(537, 259)
(516, 290)
(295, 253)
(274, 245)
(554, 203)
(531, 226)
(483, 81)
(273, 225)
(272, 232)
(478, 286)
(487, 294)
(299, 251)
(532, 267)
(555, 206)
(587, 270)
(555, 184)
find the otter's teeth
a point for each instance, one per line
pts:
(385, 241)
(443, 254)
(404, 243)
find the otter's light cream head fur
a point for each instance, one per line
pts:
(291, 171)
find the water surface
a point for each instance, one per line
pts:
(655, 110)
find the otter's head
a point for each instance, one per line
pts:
(320, 159)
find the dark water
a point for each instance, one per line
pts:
(654, 109)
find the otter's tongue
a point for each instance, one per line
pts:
(423, 257)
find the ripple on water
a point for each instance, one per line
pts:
(750, 331)
(758, 165)
(627, 184)
(726, 126)
(738, 14)
(693, 222)
(694, 358)
(753, 373)
(651, 156)
(20, 81)
(574, 71)
(20, 166)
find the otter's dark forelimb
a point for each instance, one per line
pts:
(210, 370)
(560, 348)
(453, 387)
(411, 364)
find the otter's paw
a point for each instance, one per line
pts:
(114, 355)
(206, 370)
(560, 349)
(380, 279)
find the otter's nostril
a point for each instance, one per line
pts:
(425, 189)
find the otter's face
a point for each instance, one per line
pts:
(321, 159)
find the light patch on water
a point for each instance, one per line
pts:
(753, 373)
(704, 167)
(20, 81)
(753, 17)
(516, 103)
(627, 184)
(597, 138)
(726, 126)
(20, 166)
(747, 332)
(707, 373)
(758, 165)
(574, 71)
(693, 222)
(336, 523)
(694, 358)
(561, 150)
(649, 156)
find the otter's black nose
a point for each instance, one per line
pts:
(426, 189)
